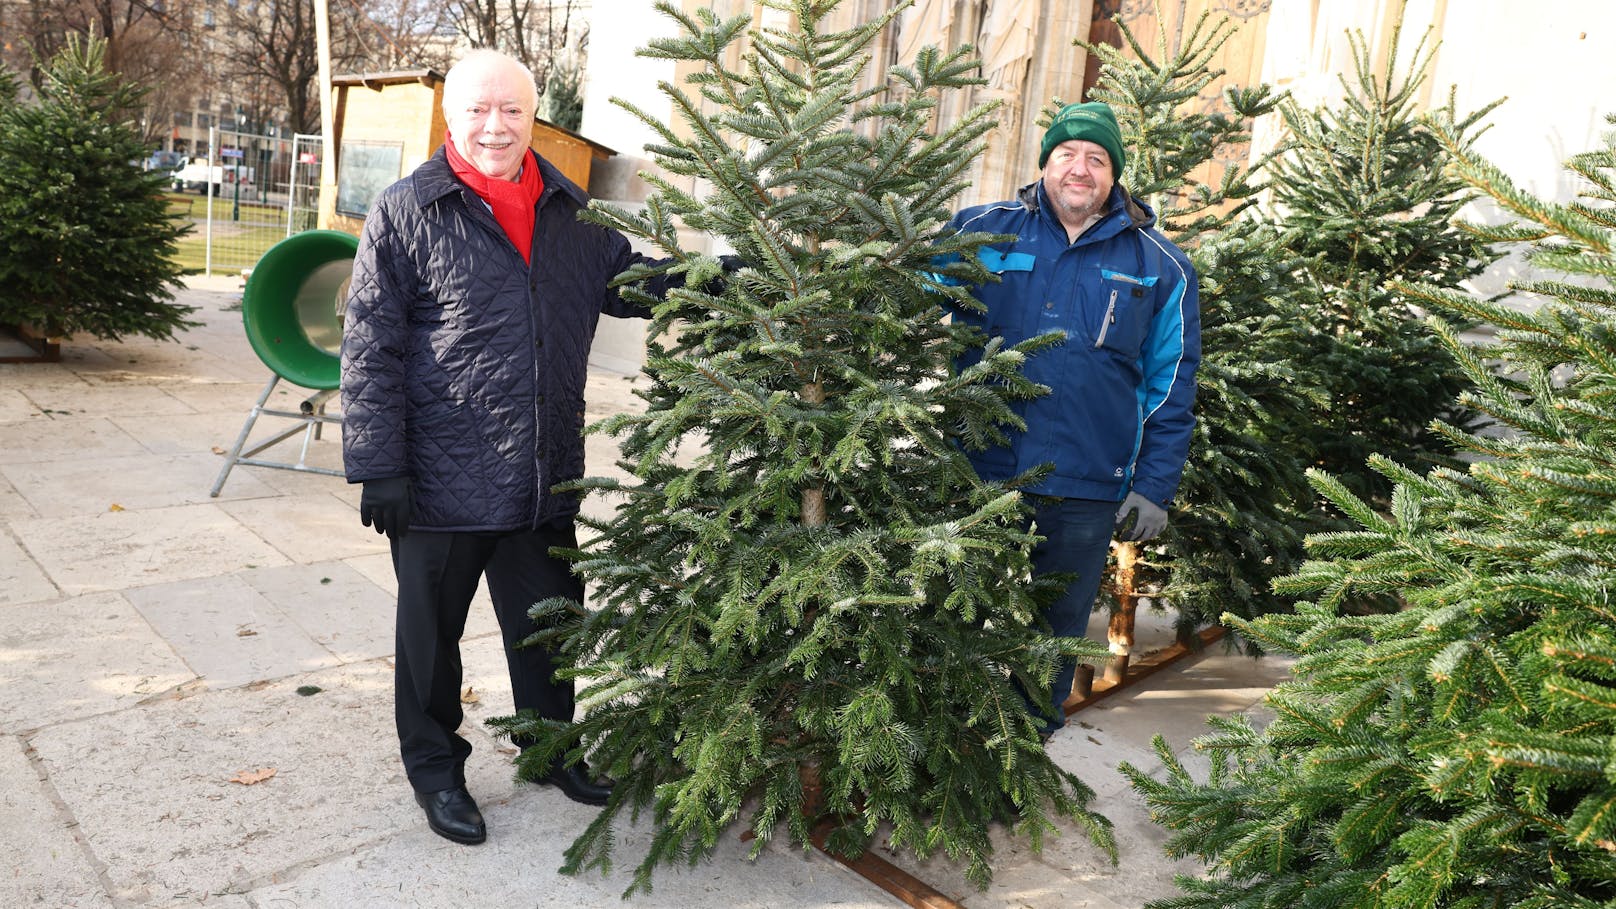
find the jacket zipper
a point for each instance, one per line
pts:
(1110, 319)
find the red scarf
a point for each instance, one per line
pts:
(514, 204)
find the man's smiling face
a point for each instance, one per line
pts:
(489, 110)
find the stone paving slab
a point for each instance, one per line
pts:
(187, 434)
(44, 865)
(22, 580)
(33, 441)
(22, 376)
(119, 550)
(150, 365)
(377, 567)
(232, 398)
(336, 606)
(324, 453)
(227, 632)
(68, 659)
(16, 406)
(153, 796)
(306, 528)
(527, 836)
(12, 505)
(115, 399)
(135, 482)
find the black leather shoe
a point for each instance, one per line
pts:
(453, 815)
(575, 784)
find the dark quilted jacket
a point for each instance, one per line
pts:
(462, 368)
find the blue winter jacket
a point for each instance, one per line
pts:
(463, 368)
(1119, 416)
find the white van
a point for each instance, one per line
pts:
(197, 175)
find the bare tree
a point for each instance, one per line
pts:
(145, 44)
(402, 34)
(275, 45)
(543, 34)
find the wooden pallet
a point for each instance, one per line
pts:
(40, 348)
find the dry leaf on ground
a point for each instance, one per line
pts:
(253, 777)
(470, 696)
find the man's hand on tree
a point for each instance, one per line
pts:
(1139, 519)
(385, 505)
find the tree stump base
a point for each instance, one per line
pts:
(1133, 670)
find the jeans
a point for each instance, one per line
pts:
(1077, 539)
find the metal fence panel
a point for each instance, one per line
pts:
(259, 189)
(303, 184)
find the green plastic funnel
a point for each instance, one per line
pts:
(292, 306)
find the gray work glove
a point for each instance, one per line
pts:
(1139, 519)
(385, 505)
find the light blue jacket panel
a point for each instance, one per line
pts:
(1120, 414)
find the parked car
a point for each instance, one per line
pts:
(197, 174)
(163, 160)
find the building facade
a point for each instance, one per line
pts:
(1551, 62)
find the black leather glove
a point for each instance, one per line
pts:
(1139, 519)
(385, 505)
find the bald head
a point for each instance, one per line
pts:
(489, 101)
(476, 65)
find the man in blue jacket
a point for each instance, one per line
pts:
(1088, 261)
(474, 300)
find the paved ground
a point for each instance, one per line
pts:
(158, 647)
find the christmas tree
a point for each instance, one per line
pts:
(1308, 357)
(822, 620)
(1456, 752)
(1363, 191)
(1234, 527)
(89, 244)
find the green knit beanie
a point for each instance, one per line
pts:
(1092, 121)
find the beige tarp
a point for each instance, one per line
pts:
(1007, 44)
(927, 22)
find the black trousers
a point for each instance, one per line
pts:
(437, 577)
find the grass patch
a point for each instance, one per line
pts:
(238, 242)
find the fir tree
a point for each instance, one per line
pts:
(818, 622)
(86, 242)
(1234, 527)
(1363, 193)
(565, 98)
(10, 85)
(1307, 357)
(1455, 753)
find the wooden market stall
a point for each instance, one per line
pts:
(386, 124)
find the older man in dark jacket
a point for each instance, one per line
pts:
(475, 295)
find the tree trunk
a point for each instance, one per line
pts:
(1120, 631)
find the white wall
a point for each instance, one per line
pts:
(618, 29)
(1555, 60)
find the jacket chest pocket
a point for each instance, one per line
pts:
(1015, 271)
(1125, 308)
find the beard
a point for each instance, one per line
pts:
(1076, 207)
